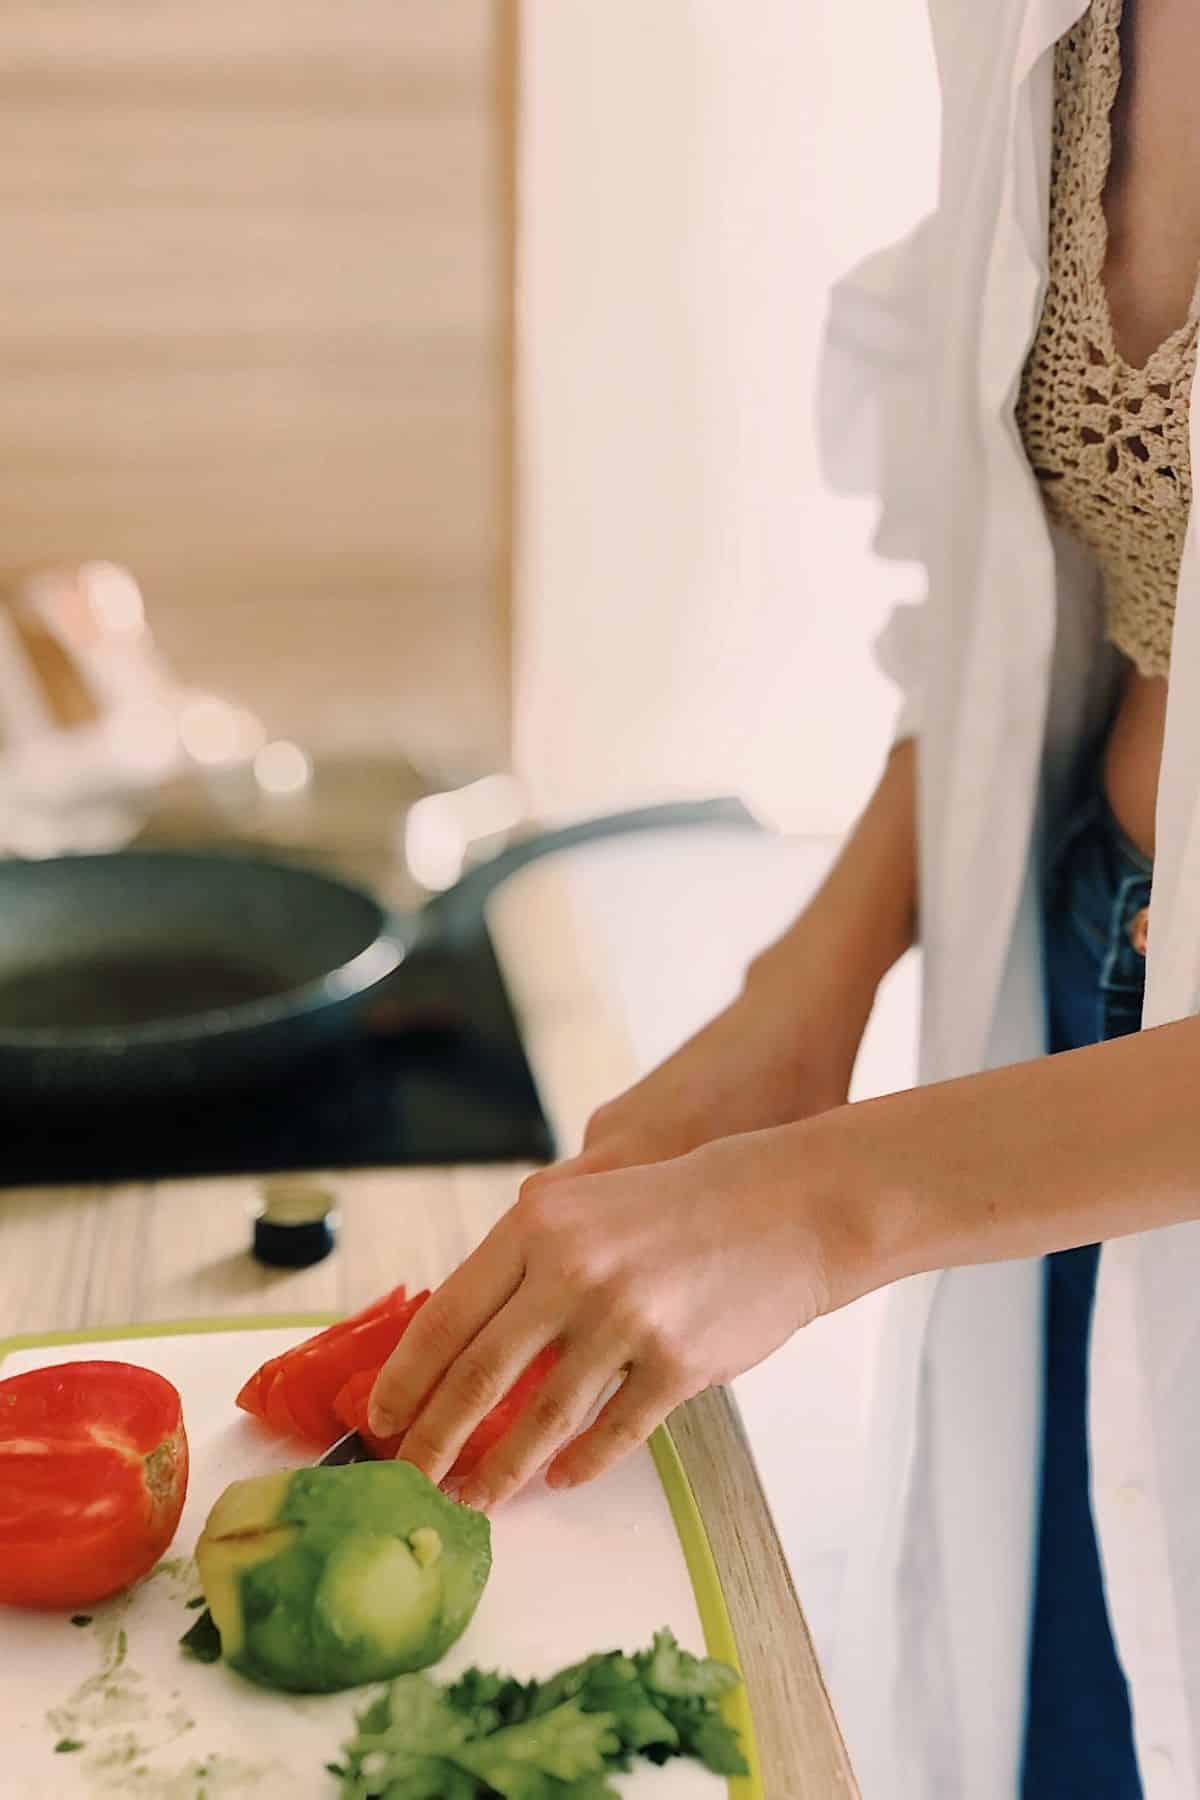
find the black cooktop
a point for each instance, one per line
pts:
(460, 1093)
(455, 1093)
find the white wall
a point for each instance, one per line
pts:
(693, 611)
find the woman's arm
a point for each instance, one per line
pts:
(1020, 1161)
(784, 1049)
(863, 917)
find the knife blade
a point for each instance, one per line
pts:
(203, 1636)
(348, 1449)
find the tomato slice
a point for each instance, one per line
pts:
(254, 1393)
(295, 1393)
(351, 1409)
(279, 1414)
(93, 1476)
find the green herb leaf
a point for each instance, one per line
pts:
(704, 1734)
(402, 1738)
(569, 1682)
(613, 1685)
(64, 1745)
(491, 1735)
(565, 1744)
(81, 1619)
(195, 1603)
(203, 1640)
(430, 1778)
(666, 1669)
(491, 1700)
(420, 1716)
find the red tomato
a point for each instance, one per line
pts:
(279, 1414)
(295, 1393)
(93, 1474)
(351, 1409)
(253, 1397)
(311, 1384)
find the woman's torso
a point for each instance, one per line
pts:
(1005, 677)
(1152, 208)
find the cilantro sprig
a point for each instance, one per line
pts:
(489, 1734)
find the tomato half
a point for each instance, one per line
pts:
(93, 1476)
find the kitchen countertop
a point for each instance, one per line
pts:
(98, 1256)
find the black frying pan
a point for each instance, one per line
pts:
(146, 972)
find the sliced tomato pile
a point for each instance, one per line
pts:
(295, 1393)
(321, 1388)
(93, 1476)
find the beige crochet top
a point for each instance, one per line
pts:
(1108, 443)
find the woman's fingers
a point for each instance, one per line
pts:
(636, 1410)
(548, 1421)
(447, 1323)
(477, 1379)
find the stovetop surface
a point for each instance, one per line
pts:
(460, 1094)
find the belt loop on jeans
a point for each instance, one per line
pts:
(1138, 928)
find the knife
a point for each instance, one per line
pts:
(348, 1449)
(202, 1640)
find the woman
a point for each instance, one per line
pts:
(1018, 1621)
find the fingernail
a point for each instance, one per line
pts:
(381, 1423)
(477, 1498)
(557, 1478)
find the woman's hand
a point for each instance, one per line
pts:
(675, 1276)
(661, 1181)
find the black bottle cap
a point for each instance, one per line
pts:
(296, 1224)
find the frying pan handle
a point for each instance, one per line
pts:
(458, 914)
(421, 993)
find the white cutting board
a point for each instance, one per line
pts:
(599, 1568)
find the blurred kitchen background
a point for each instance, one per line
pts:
(407, 438)
(444, 376)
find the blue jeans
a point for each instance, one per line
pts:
(1078, 1733)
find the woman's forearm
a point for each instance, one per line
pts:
(860, 921)
(1040, 1156)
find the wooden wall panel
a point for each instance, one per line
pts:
(254, 308)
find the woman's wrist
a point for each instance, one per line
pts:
(848, 1205)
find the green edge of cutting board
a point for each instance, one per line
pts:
(710, 1600)
(697, 1551)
